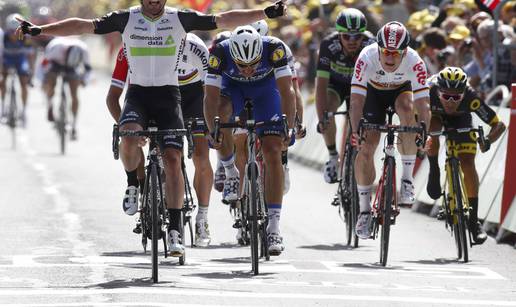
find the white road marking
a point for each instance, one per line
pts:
(259, 295)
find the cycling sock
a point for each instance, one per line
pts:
(229, 166)
(202, 213)
(274, 213)
(132, 178)
(219, 163)
(284, 157)
(473, 212)
(434, 163)
(175, 219)
(332, 150)
(408, 167)
(364, 197)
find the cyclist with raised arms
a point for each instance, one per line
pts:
(387, 73)
(452, 101)
(153, 35)
(192, 70)
(338, 53)
(16, 54)
(249, 66)
(69, 57)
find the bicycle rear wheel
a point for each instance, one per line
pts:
(61, 123)
(252, 173)
(388, 201)
(156, 229)
(13, 110)
(461, 218)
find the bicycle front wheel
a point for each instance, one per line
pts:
(388, 202)
(252, 173)
(459, 209)
(61, 125)
(156, 229)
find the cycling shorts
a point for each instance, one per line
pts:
(466, 141)
(54, 69)
(20, 62)
(377, 101)
(160, 104)
(266, 101)
(341, 90)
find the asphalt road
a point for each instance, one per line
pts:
(66, 242)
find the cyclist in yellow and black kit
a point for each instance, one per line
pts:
(452, 102)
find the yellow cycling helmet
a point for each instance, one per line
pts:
(452, 78)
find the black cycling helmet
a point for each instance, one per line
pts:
(351, 21)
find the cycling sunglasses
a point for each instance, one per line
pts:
(452, 97)
(394, 53)
(252, 65)
(355, 36)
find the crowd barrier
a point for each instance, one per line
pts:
(491, 166)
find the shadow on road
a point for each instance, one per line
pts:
(435, 261)
(371, 266)
(129, 283)
(125, 254)
(233, 275)
(325, 247)
(235, 260)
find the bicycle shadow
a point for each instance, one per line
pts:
(371, 266)
(223, 245)
(328, 247)
(125, 254)
(129, 283)
(435, 261)
(233, 274)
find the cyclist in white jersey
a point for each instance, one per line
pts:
(70, 57)
(387, 73)
(153, 35)
(192, 70)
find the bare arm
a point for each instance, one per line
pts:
(235, 18)
(357, 103)
(423, 110)
(288, 99)
(211, 104)
(70, 26)
(112, 102)
(496, 131)
(299, 100)
(321, 96)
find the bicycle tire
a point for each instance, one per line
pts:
(346, 212)
(154, 218)
(182, 258)
(253, 215)
(355, 206)
(388, 199)
(461, 219)
(61, 123)
(13, 110)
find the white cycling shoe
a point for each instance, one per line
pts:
(330, 170)
(275, 244)
(407, 193)
(231, 186)
(363, 229)
(175, 248)
(202, 234)
(130, 203)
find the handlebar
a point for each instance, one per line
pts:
(142, 133)
(421, 130)
(248, 124)
(454, 131)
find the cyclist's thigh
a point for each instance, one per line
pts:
(231, 93)
(436, 124)
(337, 94)
(271, 144)
(403, 100)
(267, 106)
(165, 109)
(192, 96)
(134, 110)
(466, 141)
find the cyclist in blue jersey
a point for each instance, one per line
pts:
(17, 55)
(249, 66)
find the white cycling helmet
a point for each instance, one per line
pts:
(245, 45)
(261, 27)
(11, 23)
(73, 56)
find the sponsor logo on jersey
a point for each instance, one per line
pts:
(278, 54)
(475, 104)
(358, 70)
(420, 73)
(141, 28)
(165, 28)
(214, 62)
(381, 72)
(164, 20)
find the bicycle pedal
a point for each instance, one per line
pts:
(335, 202)
(237, 224)
(137, 229)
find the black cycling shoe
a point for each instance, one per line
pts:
(433, 187)
(478, 233)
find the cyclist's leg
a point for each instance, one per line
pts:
(23, 70)
(333, 102)
(231, 103)
(133, 117)
(49, 84)
(433, 187)
(3, 88)
(407, 147)
(74, 83)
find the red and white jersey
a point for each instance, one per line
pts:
(192, 66)
(57, 48)
(368, 70)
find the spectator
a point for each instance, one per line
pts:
(460, 42)
(433, 42)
